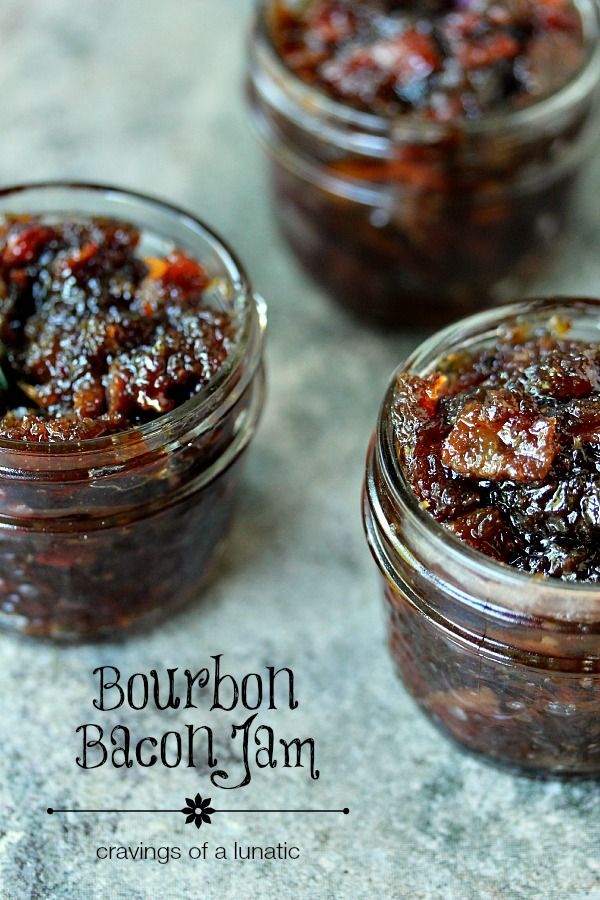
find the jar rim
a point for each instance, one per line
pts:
(380, 131)
(523, 593)
(251, 317)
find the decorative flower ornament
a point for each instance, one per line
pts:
(197, 811)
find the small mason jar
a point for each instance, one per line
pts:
(506, 663)
(102, 534)
(410, 222)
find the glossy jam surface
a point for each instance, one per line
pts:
(444, 60)
(460, 194)
(95, 338)
(104, 328)
(502, 446)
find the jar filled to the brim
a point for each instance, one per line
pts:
(493, 612)
(102, 532)
(404, 218)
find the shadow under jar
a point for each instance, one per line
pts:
(407, 221)
(506, 662)
(100, 534)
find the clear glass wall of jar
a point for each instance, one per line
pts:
(506, 663)
(415, 223)
(103, 534)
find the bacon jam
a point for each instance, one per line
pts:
(441, 59)
(424, 154)
(95, 339)
(502, 447)
(482, 512)
(130, 387)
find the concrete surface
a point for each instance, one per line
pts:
(147, 95)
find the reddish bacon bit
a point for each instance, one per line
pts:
(502, 447)
(23, 244)
(438, 59)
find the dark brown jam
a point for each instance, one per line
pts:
(441, 59)
(124, 415)
(424, 154)
(94, 338)
(482, 512)
(502, 447)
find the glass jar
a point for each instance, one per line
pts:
(506, 663)
(102, 534)
(409, 222)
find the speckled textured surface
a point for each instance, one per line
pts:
(147, 94)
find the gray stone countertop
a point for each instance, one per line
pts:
(147, 95)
